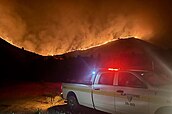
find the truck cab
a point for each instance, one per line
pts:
(119, 91)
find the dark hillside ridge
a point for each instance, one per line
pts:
(21, 65)
(131, 52)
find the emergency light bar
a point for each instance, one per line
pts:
(113, 69)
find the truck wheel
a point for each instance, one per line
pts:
(164, 110)
(72, 102)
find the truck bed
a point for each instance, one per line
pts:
(82, 90)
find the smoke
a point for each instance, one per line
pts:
(58, 26)
(12, 27)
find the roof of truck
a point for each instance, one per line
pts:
(118, 69)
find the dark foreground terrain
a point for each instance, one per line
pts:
(29, 97)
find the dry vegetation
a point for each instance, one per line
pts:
(29, 98)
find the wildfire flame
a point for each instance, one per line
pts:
(51, 53)
(106, 42)
(64, 26)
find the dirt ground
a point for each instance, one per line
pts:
(29, 98)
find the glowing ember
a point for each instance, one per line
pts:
(130, 37)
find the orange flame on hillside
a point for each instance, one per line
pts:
(66, 26)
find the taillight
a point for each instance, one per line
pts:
(60, 88)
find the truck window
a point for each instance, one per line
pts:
(155, 79)
(106, 79)
(129, 80)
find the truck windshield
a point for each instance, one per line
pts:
(155, 79)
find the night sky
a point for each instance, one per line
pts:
(57, 26)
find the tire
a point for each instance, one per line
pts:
(164, 110)
(72, 102)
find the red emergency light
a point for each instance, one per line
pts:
(113, 69)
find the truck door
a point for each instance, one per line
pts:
(103, 92)
(131, 94)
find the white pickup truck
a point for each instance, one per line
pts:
(122, 92)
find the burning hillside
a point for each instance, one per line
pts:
(59, 26)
